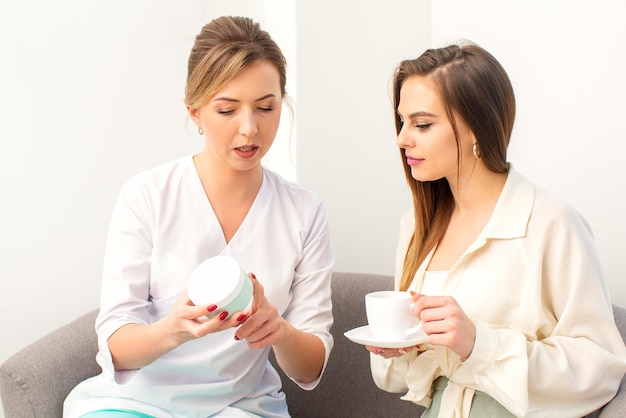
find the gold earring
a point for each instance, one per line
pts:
(475, 151)
(200, 131)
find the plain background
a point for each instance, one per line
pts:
(91, 93)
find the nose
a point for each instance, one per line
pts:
(403, 140)
(248, 126)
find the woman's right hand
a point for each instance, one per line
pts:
(445, 323)
(187, 321)
(134, 346)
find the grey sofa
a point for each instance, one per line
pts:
(34, 381)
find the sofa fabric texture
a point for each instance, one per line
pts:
(35, 381)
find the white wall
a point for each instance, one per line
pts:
(92, 93)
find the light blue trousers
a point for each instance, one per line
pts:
(115, 413)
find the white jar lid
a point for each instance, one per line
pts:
(217, 280)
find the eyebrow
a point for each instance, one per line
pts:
(418, 114)
(230, 99)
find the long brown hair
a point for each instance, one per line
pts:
(473, 85)
(223, 48)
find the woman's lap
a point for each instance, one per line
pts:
(483, 405)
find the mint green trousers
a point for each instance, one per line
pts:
(483, 405)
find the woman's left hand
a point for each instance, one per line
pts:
(264, 326)
(445, 323)
(393, 352)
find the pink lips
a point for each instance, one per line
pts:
(413, 161)
(246, 151)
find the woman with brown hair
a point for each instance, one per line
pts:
(506, 279)
(160, 355)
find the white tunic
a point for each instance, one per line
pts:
(162, 227)
(546, 341)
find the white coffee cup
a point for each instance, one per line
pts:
(221, 281)
(389, 315)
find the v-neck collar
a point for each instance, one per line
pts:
(508, 220)
(209, 218)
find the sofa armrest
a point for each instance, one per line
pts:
(616, 408)
(35, 381)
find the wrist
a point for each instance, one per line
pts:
(162, 332)
(286, 333)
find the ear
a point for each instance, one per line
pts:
(193, 114)
(471, 138)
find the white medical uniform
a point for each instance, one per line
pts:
(162, 228)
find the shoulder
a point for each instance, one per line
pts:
(161, 175)
(164, 172)
(551, 208)
(147, 187)
(552, 213)
(292, 194)
(541, 207)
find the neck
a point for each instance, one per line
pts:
(477, 189)
(220, 181)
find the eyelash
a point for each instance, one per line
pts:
(420, 126)
(228, 112)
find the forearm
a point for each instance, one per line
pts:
(301, 355)
(390, 374)
(134, 346)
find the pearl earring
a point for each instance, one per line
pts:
(200, 131)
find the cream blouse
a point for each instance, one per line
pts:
(546, 341)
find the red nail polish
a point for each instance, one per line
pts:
(211, 308)
(223, 315)
(241, 317)
(237, 338)
(253, 276)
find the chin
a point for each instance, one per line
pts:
(248, 166)
(424, 176)
(420, 175)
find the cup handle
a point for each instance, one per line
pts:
(414, 331)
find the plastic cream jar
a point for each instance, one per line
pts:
(221, 281)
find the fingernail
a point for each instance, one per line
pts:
(401, 351)
(380, 351)
(252, 276)
(211, 308)
(241, 317)
(223, 315)
(412, 293)
(237, 338)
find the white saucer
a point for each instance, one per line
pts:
(363, 335)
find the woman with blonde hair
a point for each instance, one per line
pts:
(506, 279)
(160, 355)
